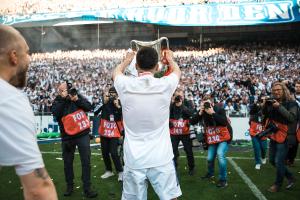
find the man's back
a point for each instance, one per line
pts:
(145, 105)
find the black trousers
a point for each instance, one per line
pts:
(68, 150)
(109, 147)
(292, 153)
(188, 148)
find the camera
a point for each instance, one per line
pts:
(270, 100)
(71, 90)
(177, 99)
(206, 105)
(112, 95)
(271, 128)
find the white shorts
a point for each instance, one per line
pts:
(163, 180)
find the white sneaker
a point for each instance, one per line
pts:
(107, 174)
(263, 160)
(257, 166)
(120, 177)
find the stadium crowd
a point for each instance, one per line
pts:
(235, 75)
(26, 7)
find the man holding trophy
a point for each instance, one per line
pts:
(145, 105)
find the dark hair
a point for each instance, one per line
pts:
(297, 81)
(147, 58)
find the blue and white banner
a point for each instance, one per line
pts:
(185, 15)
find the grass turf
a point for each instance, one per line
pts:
(193, 187)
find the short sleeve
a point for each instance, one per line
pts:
(119, 84)
(18, 144)
(172, 82)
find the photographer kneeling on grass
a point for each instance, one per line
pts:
(280, 119)
(217, 135)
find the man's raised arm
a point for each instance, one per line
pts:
(122, 66)
(172, 64)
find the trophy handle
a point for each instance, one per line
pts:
(167, 41)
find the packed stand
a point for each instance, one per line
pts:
(234, 75)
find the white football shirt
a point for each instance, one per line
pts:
(145, 106)
(18, 145)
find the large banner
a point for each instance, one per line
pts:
(185, 15)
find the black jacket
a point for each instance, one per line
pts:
(63, 106)
(286, 113)
(177, 112)
(255, 113)
(109, 109)
(219, 118)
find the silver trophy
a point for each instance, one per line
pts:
(156, 44)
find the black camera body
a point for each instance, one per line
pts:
(111, 98)
(207, 105)
(270, 100)
(71, 90)
(178, 99)
(271, 129)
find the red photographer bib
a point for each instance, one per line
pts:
(256, 128)
(217, 134)
(298, 134)
(180, 127)
(281, 134)
(110, 129)
(76, 122)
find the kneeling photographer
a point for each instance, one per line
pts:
(69, 109)
(280, 119)
(180, 130)
(110, 131)
(217, 135)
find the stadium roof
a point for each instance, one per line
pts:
(182, 15)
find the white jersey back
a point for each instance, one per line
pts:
(146, 108)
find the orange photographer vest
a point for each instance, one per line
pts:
(110, 129)
(76, 122)
(298, 134)
(281, 134)
(256, 128)
(216, 134)
(180, 127)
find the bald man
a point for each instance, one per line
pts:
(18, 146)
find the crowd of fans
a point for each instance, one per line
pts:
(235, 75)
(29, 7)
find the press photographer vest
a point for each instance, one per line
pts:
(216, 134)
(76, 122)
(180, 127)
(256, 128)
(298, 134)
(110, 128)
(281, 134)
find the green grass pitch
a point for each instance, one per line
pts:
(193, 187)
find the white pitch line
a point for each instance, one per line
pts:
(247, 180)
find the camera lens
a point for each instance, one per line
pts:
(177, 99)
(206, 105)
